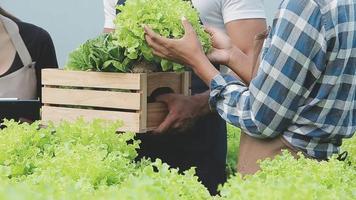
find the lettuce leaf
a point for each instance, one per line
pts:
(164, 17)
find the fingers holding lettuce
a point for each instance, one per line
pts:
(185, 50)
(189, 52)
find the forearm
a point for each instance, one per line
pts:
(241, 65)
(202, 103)
(243, 34)
(204, 69)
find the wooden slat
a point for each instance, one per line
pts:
(186, 83)
(91, 98)
(156, 113)
(164, 79)
(56, 77)
(143, 111)
(56, 114)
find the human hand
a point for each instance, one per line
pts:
(183, 111)
(187, 50)
(222, 46)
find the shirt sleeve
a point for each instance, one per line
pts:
(110, 13)
(242, 9)
(288, 71)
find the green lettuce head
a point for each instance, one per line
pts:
(164, 17)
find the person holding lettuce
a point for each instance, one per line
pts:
(303, 98)
(192, 135)
(25, 49)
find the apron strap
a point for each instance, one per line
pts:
(14, 33)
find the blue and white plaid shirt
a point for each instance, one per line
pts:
(305, 89)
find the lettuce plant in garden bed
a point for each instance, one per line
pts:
(126, 50)
(84, 161)
(233, 143)
(90, 161)
(349, 145)
(288, 178)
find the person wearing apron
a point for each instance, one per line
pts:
(204, 145)
(19, 71)
(23, 82)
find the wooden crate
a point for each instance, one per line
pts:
(68, 95)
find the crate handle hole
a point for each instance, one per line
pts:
(159, 91)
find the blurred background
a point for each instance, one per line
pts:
(71, 22)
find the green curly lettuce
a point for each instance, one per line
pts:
(349, 145)
(82, 160)
(164, 17)
(91, 161)
(233, 143)
(288, 178)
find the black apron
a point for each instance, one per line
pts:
(204, 146)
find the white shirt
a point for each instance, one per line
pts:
(216, 13)
(110, 13)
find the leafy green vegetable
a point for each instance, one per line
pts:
(126, 49)
(288, 178)
(233, 143)
(164, 17)
(91, 161)
(349, 145)
(159, 182)
(99, 54)
(84, 161)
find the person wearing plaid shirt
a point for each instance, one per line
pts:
(305, 89)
